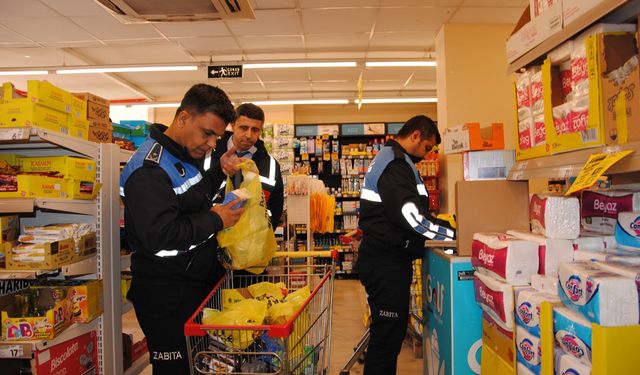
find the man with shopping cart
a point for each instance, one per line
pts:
(395, 221)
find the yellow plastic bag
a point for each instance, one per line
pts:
(247, 312)
(280, 313)
(298, 297)
(250, 243)
(267, 288)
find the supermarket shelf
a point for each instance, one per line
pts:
(126, 306)
(125, 155)
(616, 11)
(569, 164)
(139, 365)
(83, 267)
(20, 275)
(125, 262)
(353, 198)
(16, 205)
(76, 206)
(24, 349)
(37, 138)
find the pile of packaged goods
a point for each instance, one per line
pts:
(52, 246)
(582, 256)
(10, 229)
(258, 304)
(47, 177)
(278, 140)
(129, 134)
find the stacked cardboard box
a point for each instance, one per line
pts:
(97, 110)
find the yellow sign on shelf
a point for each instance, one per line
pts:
(594, 168)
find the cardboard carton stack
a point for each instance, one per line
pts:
(97, 112)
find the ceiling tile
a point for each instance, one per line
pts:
(275, 4)
(412, 19)
(165, 77)
(8, 36)
(335, 74)
(210, 46)
(24, 8)
(218, 58)
(487, 15)
(287, 86)
(279, 75)
(252, 44)
(319, 21)
(51, 29)
(335, 86)
(388, 74)
(133, 42)
(16, 57)
(106, 27)
(424, 40)
(193, 29)
(274, 56)
(336, 55)
(268, 22)
(396, 55)
(497, 3)
(72, 8)
(337, 42)
(134, 54)
(308, 4)
(421, 3)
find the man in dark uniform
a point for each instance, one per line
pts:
(395, 222)
(171, 225)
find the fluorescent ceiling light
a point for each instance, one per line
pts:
(398, 100)
(399, 63)
(344, 64)
(131, 69)
(150, 105)
(311, 101)
(23, 72)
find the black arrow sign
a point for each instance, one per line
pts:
(224, 71)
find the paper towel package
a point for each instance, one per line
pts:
(632, 272)
(502, 256)
(495, 298)
(550, 251)
(545, 283)
(555, 216)
(522, 369)
(630, 257)
(599, 209)
(594, 241)
(528, 347)
(566, 364)
(602, 297)
(628, 230)
(527, 313)
(573, 333)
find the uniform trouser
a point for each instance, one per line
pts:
(387, 285)
(162, 312)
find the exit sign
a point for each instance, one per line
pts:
(224, 71)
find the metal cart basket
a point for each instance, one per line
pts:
(302, 345)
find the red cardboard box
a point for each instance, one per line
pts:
(78, 356)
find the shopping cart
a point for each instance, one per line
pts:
(300, 346)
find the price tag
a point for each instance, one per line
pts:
(11, 351)
(14, 134)
(594, 168)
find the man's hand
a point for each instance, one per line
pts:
(229, 162)
(227, 213)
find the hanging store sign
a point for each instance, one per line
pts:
(224, 71)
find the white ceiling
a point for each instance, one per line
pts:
(52, 33)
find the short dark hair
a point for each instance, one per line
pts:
(202, 98)
(251, 111)
(422, 123)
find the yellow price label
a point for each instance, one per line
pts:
(595, 167)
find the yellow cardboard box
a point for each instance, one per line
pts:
(9, 93)
(16, 327)
(48, 95)
(501, 341)
(11, 159)
(79, 128)
(541, 149)
(10, 228)
(34, 186)
(81, 189)
(86, 246)
(68, 166)
(86, 301)
(56, 255)
(21, 112)
(78, 107)
(97, 107)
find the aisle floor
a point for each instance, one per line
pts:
(349, 305)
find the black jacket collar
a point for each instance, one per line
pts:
(157, 133)
(399, 150)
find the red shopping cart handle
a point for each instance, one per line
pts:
(348, 238)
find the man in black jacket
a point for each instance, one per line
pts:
(171, 225)
(395, 222)
(245, 141)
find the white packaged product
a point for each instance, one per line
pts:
(550, 251)
(572, 333)
(569, 365)
(505, 257)
(579, 118)
(555, 216)
(525, 133)
(522, 369)
(594, 241)
(539, 130)
(602, 297)
(600, 209)
(562, 53)
(528, 347)
(562, 118)
(545, 283)
(628, 230)
(535, 82)
(495, 298)
(630, 257)
(527, 311)
(523, 96)
(632, 272)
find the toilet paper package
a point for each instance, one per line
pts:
(504, 257)
(631, 257)
(527, 313)
(555, 216)
(628, 230)
(551, 251)
(600, 209)
(602, 297)
(545, 283)
(594, 241)
(528, 349)
(566, 364)
(632, 272)
(495, 298)
(572, 333)
(522, 369)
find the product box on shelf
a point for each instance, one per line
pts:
(572, 9)
(11, 159)
(470, 137)
(67, 166)
(53, 255)
(488, 165)
(79, 128)
(85, 296)
(137, 128)
(48, 95)
(532, 138)
(22, 112)
(86, 246)
(528, 32)
(35, 314)
(9, 93)
(78, 108)
(10, 228)
(500, 340)
(100, 131)
(78, 356)
(80, 189)
(33, 186)
(97, 107)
